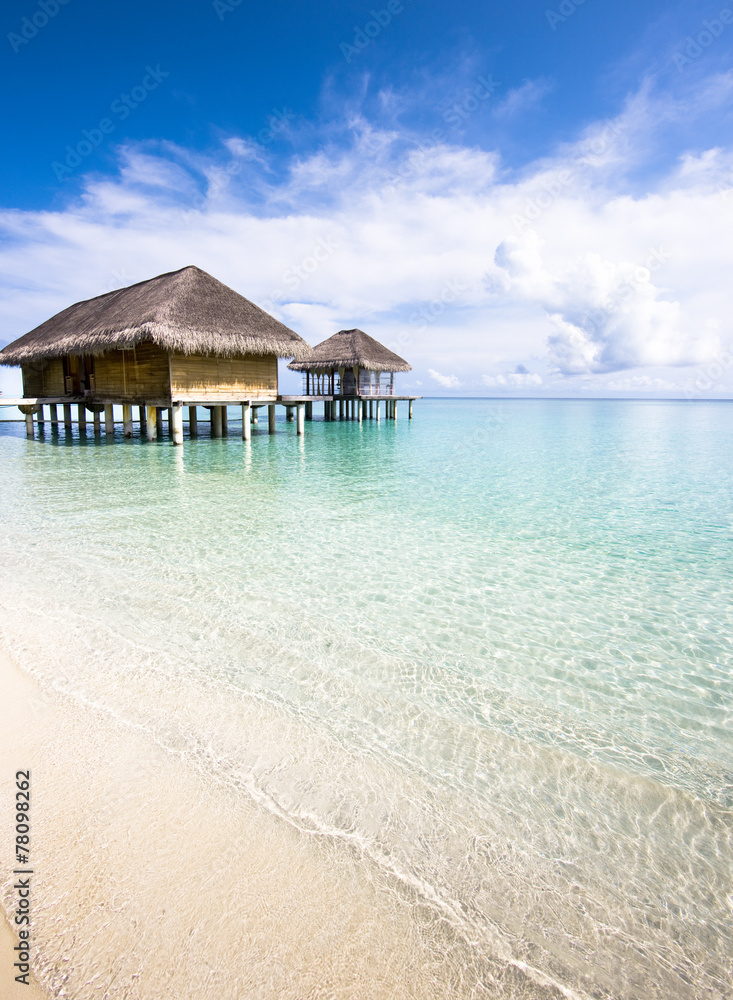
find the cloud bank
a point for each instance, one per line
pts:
(551, 280)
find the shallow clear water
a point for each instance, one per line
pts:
(487, 653)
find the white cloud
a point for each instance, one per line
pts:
(523, 98)
(447, 381)
(640, 383)
(440, 252)
(604, 315)
(512, 380)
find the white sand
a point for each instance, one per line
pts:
(18, 717)
(152, 883)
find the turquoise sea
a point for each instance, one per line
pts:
(486, 654)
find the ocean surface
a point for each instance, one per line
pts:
(481, 659)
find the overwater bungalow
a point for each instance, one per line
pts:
(180, 339)
(357, 372)
(184, 339)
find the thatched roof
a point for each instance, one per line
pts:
(349, 348)
(186, 310)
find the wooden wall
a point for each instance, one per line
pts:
(44, 378)
(200, 376)
(143, 375)
(140, 374)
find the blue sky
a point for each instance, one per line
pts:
(526, 198)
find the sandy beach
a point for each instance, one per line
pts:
(149, 884)
(249, 783)
(9, 989)
(20, 695)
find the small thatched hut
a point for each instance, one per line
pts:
(185, 339)
(350, 364)
(181, 336)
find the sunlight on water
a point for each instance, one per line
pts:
(482, 659)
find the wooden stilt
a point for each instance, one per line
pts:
(193, 422)
(39, 418)
(109, 419)
(301, 419)
(67, 416)
(170, 421)
(141, 419)
(409, 416)
(309, 411)
(326, 410)
(152, 422)
(341, 409)
(271, 418)
(81, 418)
(177, 414)
(29, 426)
(246, 425)
(394, 409)
(289, 415)
(158, 422)
(216, 421)
(359, 410)
(127, 420)
(224, 422)
(376, 409)
(255, 412)
(54, 414)
(97, 422)
(371, 409)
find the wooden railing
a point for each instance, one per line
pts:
(321, 386)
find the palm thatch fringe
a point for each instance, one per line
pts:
(186, 311)
(349, 348)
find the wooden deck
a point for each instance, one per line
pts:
(298, 409)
